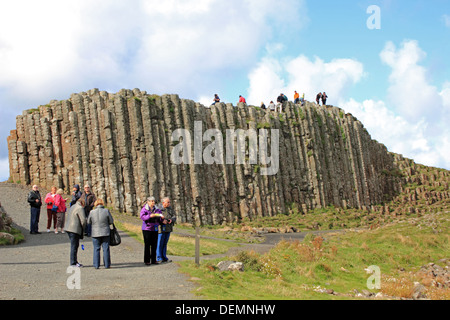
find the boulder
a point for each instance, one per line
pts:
(230, 266)
(9, 237)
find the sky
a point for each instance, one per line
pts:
(389, 67)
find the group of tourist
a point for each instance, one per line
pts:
(87, 216)
(321, 96)
(280, 101)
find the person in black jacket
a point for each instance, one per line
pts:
(324, 98)
(280, 101)
(165, 229)
(35, 201)
(89, 199)
(76, 194)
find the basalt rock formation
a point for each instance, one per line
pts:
(121, 144)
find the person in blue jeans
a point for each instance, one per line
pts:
(164, 231)
(75, 223)
(100, 220)
(35, 201)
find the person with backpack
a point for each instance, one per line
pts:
(35, 201)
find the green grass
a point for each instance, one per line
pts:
(292, 270)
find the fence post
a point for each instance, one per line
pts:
(197, 245)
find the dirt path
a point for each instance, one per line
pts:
(37, 268)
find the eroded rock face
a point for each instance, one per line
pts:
(121, 144)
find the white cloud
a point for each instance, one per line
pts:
(168, 46)
(400, 135)
(50, 48)
(417, 125)
(273, 76)
(445, 94)
(414, 119)
(4, 169)
(446, 19)
(410, 92)
(36, 45)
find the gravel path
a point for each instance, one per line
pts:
(37, 268)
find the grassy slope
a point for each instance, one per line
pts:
(295, 270)
(400, 237)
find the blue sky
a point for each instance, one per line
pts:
(396, 80)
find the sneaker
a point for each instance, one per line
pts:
(79, 265)
(48, 230)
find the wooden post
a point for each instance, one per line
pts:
(197, 245)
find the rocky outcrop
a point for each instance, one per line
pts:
(5, 227)
(122, 144)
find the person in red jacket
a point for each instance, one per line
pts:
(51, 213)
(60, 202)
(242, 99)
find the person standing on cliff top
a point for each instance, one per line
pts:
(280, 101)
(318, 97)
(324, 98)
(35, 201)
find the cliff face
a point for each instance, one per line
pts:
(122, 145)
